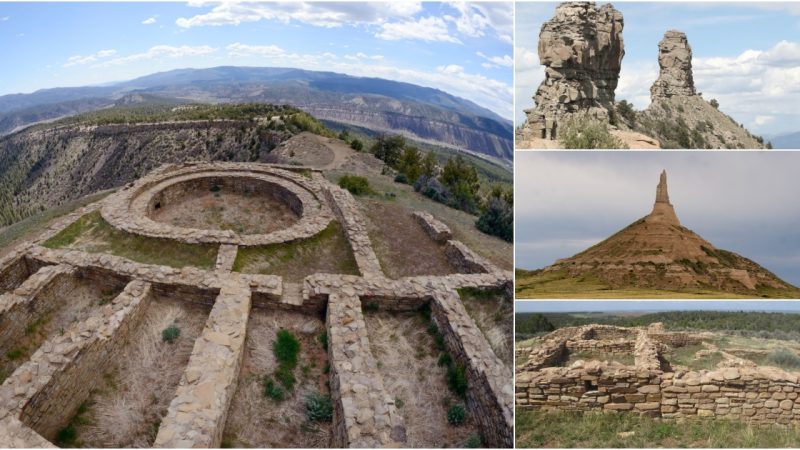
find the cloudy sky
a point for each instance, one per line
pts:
(746, 55)
(656, 306)
(462, 48)
(744, 202)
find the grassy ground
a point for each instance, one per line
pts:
(327, 251)
(33, 225)
(391, 230)
(626, 359)
(559, 285)
(686, 356)
(596, 430)
(461, 224)
(92, 234)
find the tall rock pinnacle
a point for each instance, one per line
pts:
(675, 61)
(662, 209)
(581, 48)
(662, 196)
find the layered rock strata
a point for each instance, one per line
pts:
(675, 63)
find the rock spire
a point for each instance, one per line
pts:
(581, 48)
(662, 208)
(675, 61)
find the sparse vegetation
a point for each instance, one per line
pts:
(273, 390)
(457, 379)
(170, 334)
(568, 429)
(587, 133)
(474, 441)
(357, 185)
(784, 358)
(286, 347)
(457, 414)
(319, 408)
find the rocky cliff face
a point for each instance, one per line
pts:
(675, 62)
(44, 167)
(581, 48)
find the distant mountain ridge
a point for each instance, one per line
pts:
(786, 141)
(374, 103)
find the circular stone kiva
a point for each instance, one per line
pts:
(221, 203)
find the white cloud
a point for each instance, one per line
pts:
(428, 29)
(322, 14)
(495, 61)
(238, 49)
(475, 19)
(149, 21)
(4, 18)
(160, 51)
(761, 120)
(80, 60)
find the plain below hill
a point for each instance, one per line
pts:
(418, 112)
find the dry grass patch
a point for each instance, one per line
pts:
(408, 361)
(126, 408)
(403, 247)
(326, 252)
(255, 420)
(243, 213)
(493, 312)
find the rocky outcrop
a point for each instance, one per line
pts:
(675, 61)
(662, 208)
(581, 48)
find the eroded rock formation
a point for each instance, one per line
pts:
(657, 252)
(675, 61)
(581, 48)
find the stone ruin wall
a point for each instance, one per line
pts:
(43, 394)
(759, 395)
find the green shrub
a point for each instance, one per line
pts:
(473, 441)
(587, 133)
(16, 353)
(215, 188)
(457, 379)
(457, 414)
(67, 437)
(785, 358)
(170, 333)
(625, 110)
(319, 408)
(286, 347)
(401, 178)
(356, 145)
(323, 339)
(714, 103)
(355, 184)
(445, 360)
(273, 390)
(285, 376)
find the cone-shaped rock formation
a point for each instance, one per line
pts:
(657, 252)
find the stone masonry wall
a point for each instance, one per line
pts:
(465, 260)
(619, 346)
(437, 230)
(45, 392)
(489, 382)
(196, 416)
(364, 414)
(32, 300)
(13, 273)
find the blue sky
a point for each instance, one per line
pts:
(464, 49)
(655, 306)
(745, 202)
(746, 55)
